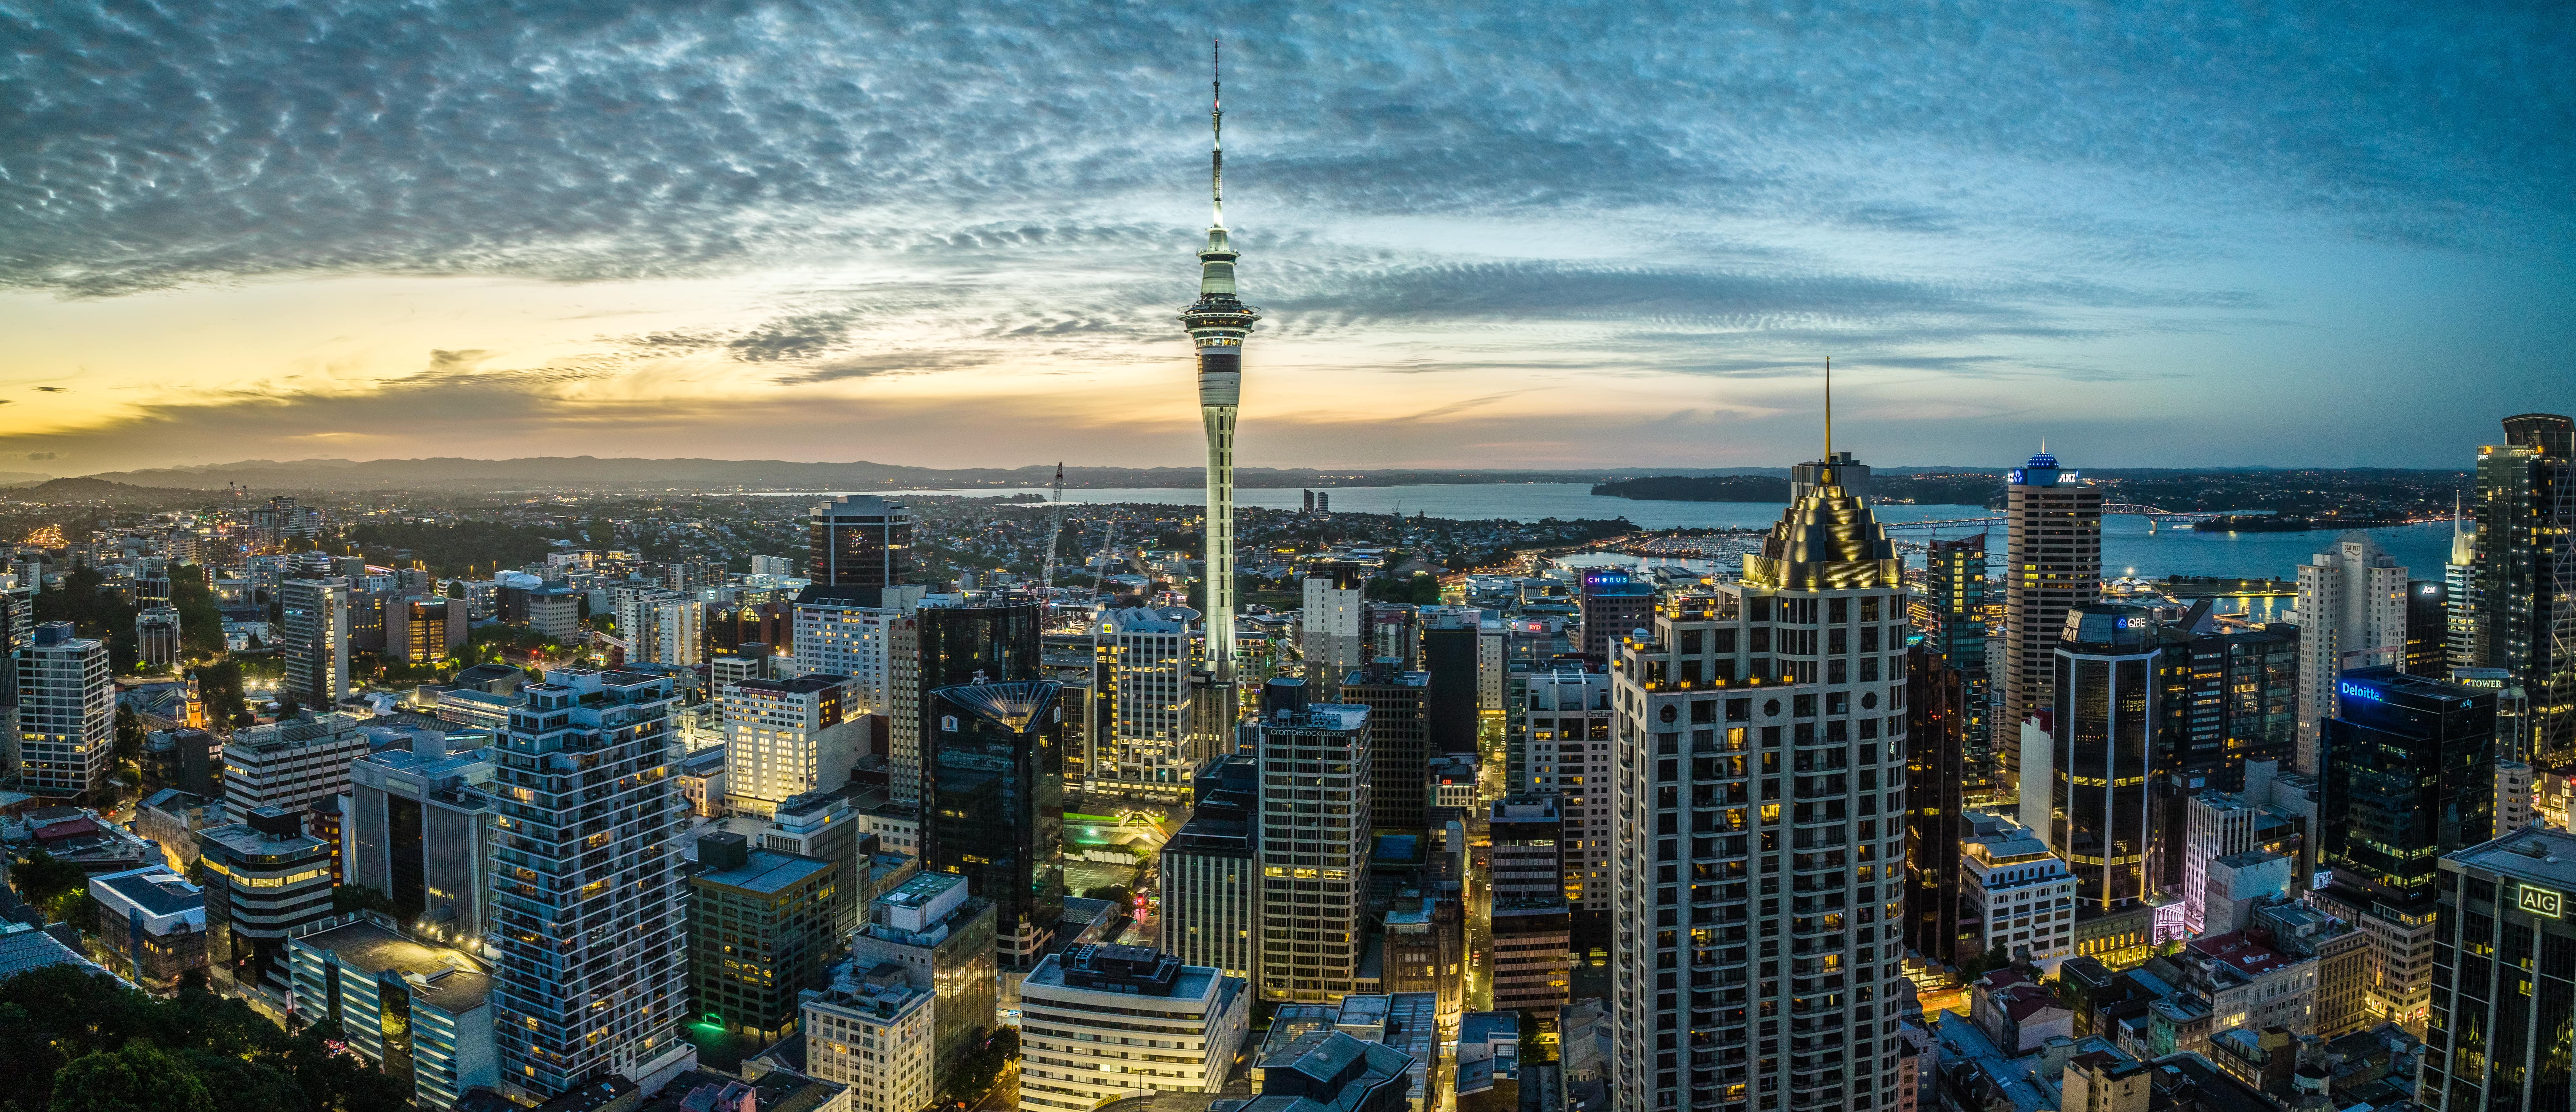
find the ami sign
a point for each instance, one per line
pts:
(2542, 901)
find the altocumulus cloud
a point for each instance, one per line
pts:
(1881, 171)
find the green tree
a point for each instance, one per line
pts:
(129, 735)
(42, 880)
(137, 1078)
(201, 624)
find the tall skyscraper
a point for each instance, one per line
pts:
(316, 640)
(420, 829)
(1211, 874)
(1142, 678)
(1936, 722)
(1453, 650)
(1333, 631)
(1761, 823)
(1951, 615)
(2053, 562)
(994, 811)
(1314, 844)
(860, 543)
(2500, 1032)
(949, 641)
(2527, 576)
(2428, 628)
(2410, 776)
(591, 963)
(1561, 747)
(2106, 720)
(1218, 322)
(1532, 925)
(1399, 743)
(2352, 614)
(1614, 604)
(2460, 583)
(66, 715)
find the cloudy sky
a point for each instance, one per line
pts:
(1616, 234)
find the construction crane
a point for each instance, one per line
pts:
(1055, 531)
(1100, 567)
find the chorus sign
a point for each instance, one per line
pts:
(2542, 901)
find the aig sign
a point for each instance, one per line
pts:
(2542, 901)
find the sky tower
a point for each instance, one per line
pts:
(1217, 323)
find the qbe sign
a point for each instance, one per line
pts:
(2542, 901)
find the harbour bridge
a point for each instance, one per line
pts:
(2155, 516)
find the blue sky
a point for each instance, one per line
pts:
(1561, 235)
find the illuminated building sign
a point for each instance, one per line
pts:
(2542, 901)
(2361, 691)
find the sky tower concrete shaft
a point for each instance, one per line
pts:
(1217, 324)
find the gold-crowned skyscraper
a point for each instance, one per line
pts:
(1218, 323)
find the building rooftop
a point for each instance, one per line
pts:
(445, 979)
(2535, 853)
(767, 872)
(23, 947)
(2240, 953)
(157, 891)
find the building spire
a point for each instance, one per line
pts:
(1216, 127)
(1829, 409)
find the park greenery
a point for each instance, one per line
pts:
(72, 1040)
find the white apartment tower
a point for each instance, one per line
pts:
(1100, 1023)
(1333, 628)
(66, 733)
(1760, 807)
(2352, 614)
(588, 941)
(1565, 741)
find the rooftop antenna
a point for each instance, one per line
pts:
(1829, 409)
(1216, 127)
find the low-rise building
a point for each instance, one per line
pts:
(2017, 1013)
(155, 921)
(941, 936)
(2250, 983)
(870, 1030)
(420, 1013)
(1098, 1023)
(2020, 896)
(265, 879)
(1330, 1071)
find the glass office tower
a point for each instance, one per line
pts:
(995, 809)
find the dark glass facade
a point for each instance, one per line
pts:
(996, 807)
(2106, 687)
(1937, 720)
(2526, 510)
(2409, 776)
(2504, 978)
(860, 542)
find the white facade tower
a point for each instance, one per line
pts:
(2352, 614)
(1217, 324)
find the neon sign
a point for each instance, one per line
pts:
(2361, 691)
(2542, 901)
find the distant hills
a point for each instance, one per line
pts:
(591, 472)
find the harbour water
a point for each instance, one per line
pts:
(2128, 546)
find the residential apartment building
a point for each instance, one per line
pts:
(1566, 752)
(1141, 683)
(2352, 614)
(64, 744)
(586, 986)
(1760, 793)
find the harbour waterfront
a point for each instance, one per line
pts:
(2128, 546)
